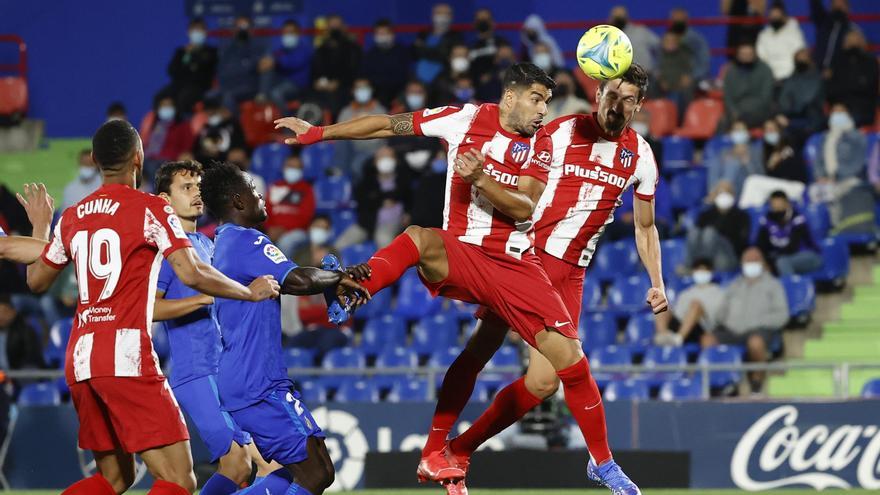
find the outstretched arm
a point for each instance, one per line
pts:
(204, 278)
(518, 204)
(648, 244)
(366, 127)
(169, 309)
(305, 280)
(20, 249)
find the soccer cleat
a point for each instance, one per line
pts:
(461, 461)
(336, 312)
(457, 488)
(436, 466)
(611, 476)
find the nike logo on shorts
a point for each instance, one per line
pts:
(561, 323)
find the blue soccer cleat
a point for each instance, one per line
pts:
(336, 311)
(611, 476)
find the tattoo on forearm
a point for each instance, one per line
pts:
(402, 124)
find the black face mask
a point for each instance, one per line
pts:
(619, 22)
(483, 26)
(532, 36)
(746, 65)
(678, 27)
(336, 34)
(242, 35)
(801, 66)
(777, 216)
(777, 24)
(839, 15)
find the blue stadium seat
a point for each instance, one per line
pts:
(268, 161)
(681, 389)
(506, 356)
(435, 332)
(678, 152)
(664, 356)
(381, 333)
(484, 391)
(332, 192)
(161, 345)
(312, 392)
(812, 148)
(722, 354)
(688, 189)
(871, 389)
(358, 253)
(341, 221)
(345, 357)
(317, 159)
(357, 391)
(835, 267)
(755, 215)
(297, 357)
(597, 330)
(443, 358)
(627, 294)
(614, 259)
(715, 146)
(413, 299)
(639, 332)
(674, 254)
(397, 357)
(818, 220)
(630, 389)
(592, 300)
(379, 306)
(57, 345)
(411, 390)
(801, 295)
(39, 394)
(612, 355)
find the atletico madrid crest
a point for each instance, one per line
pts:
(626, 157)
(518, 152)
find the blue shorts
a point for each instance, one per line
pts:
(200, 400)
(280, 425)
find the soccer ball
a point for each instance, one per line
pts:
(604, 52)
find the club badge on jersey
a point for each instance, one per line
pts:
(626, 157)
(519, 152)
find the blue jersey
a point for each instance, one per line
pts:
(2, 234)
(252, 364)
(194, 338)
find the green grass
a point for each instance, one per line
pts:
(478, 491)
(55, 165)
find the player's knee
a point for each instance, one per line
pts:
(329, 477)
(236, 465)
(417, 234)
(542, 387)
(121, 482)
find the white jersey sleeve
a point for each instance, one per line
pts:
(647, 174)
(55, 255)
(447, 123)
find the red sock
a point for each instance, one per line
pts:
(390, 262)
(93, 485)
(162, 487)
(511, 403)
(458, 385)
(585, 403)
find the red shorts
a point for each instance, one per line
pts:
(132, 413)
(518, 291)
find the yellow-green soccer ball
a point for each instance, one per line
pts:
(604, 52)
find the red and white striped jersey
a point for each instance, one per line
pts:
(116, 238)
(467, 213)
(588, 176)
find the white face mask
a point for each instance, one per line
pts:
(752, 269)
(840, 121)
(214, 120)
(197, 37)
(702, 277)
(772, 138)
(289, 40)
(319, 235)
(641, 128)
(724, 201)
(442, 22)
(363, 94)
(87, 173)
(460, 64)
(165, 113)
(543, 60)
(418, 159)
(415, 100)
(384, 40)
(386, 165)
(739, 136)
(293, 175)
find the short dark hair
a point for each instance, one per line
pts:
(322, 216)
(778, 194)
(116, 107)
(635, 75)
(290, 22)
(707, 262)
(165, 174)
(114, 144)
(220, 181)
(196, 21)
(522, 75)
(383, 22)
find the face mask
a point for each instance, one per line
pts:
(418, 159)
(460, 64)
(641, 128)
(619, 22)
(166, 113)
(87, 173)
(289, 40)
(772, 138)
(543, 60)
(483, 26)
(840, 121)
(739, 136)
(777, 24)
(336, 34)
(197, 37)
(532, 36)
(415, 100)
(464, 94)
(752, 269)
(242, 33)
(442, 22)
(746, 65)
(319, 235)
(293, 175)
(386, 165)
(724, 201)
(801, 66)
(678, 27)
(363, 95)
(215, 120)
(702, 277)
(777, 216)
(384, 41)
(439, 166)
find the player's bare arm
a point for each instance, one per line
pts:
(40, 207)
(169, 309)
(306, 280)
(518, 204)
(206, 279)
(366, 127)
(648, 244)
(41, 276)
(19, 249)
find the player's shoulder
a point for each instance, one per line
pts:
(238, 234)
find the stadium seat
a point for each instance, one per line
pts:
(722, 354)
(597, 330)
(484, 390)
(755, 215)
(380, 305)
(381, 333)
(317, 158)
(198, 121)
(357, 391)
(358, 253)
(345, 357)
(505, 357)
(13, 96)
(435, 332)
(332, 193)
(57, 345)
(614, 259)
(627, 294)
(715, 146)
(701, 119)
(664, 356)
(818, 220)
(688, 189)
(411, 390)
(612, 355)
(592, 298)
(258, 122)
(801, 295)
(397, 357)
(835, 263)
(413, 299)
(681, 389)
(39, 394)
(664, 116)
(443, 358)
(298, 357)
(161, 345)
(268, 161)
(311, 392)
(871, 389)
(674, 254)
(342, 220)
(639, 331)
(678, 152)
(630, 389)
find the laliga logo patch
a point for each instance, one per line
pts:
(176, 226)
(432, 111)
(168, 209)
(274, 254)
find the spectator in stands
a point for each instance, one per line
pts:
(565, 100)
(291, 206)
(752, 313)
(353, 153)
(784, 238)
(721, 232)
(88, 180)
(534, 35)
(832, 27)
(431, 49)
(855, 77)
(737, 162)
(429, 192)
(220, 133)
(675, 72)
(694, 41)
(484, 49)
(781, 159)
(442, 92)
(623, 226)
(387, 63)
(695, 310)
(169, 137)
(20, 346)
(464, 91)
(335, 64)
(319, 236)
(383, 196)
(238, 64)
(748, 88)
(415, 97)
(641, 123)
(645, 43)
(286, 75)
(116, 111)
(780, 39)
(802, 96)
(742, 32)
(192, 68)
(416, 152)
(489, 86)
(242, 159)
